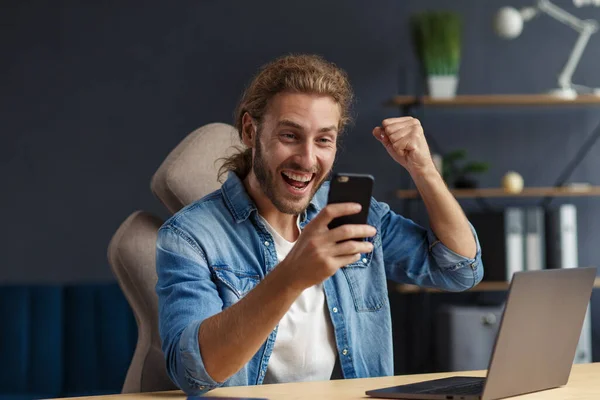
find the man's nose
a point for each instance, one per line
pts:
(307, 156)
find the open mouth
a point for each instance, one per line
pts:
(297, 182)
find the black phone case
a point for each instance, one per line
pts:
(351, 188)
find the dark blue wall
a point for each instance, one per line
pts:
(94, 96)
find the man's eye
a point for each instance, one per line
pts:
(288, 136)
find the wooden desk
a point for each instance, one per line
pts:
(583, 384)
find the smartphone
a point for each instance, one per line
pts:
(351, 188)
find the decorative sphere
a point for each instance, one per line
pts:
(512, 182)
(508, 22)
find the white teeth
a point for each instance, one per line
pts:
(299, 178)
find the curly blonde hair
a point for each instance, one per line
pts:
(295, 73)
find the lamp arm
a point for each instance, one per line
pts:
(561, 15)
(564, 78)
(585, 29)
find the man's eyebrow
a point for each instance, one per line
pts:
(292, 124)
(329, 129)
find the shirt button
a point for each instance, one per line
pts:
(334, 309)
(267, 244)
(262, 373)
(364, 260)
(345, 352)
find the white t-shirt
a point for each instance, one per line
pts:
(305, 344)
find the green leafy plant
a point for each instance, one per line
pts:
(458, 172)
(437, 40)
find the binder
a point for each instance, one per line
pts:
(514, 230)
(535, 251)
(501, 235)
(561, 237)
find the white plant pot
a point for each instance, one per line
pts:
(442, 86)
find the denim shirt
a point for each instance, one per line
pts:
(214, 251)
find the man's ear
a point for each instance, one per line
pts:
(248, 130)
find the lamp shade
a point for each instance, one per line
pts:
(508, 22)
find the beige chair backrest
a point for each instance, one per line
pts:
(188, 173)
(132, 256)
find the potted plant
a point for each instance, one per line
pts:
(458, 173)
(437, 40)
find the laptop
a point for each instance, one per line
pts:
(535, 346)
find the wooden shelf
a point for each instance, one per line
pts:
(494, 100)
(565, 191)
(485, 286)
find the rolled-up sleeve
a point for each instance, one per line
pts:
(186, 297)
(414, 255)
(467, 272)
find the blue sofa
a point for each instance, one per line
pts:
(61, 341)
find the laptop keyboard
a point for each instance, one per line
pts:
(452, 386)
(472, 388)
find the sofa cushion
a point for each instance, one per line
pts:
(28, 396)
(100, 336)
(59, 341)
(31, 339)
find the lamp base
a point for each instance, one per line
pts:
(571, 94)
(564, 93)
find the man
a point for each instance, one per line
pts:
(254, 288)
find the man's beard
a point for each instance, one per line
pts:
(267, 183)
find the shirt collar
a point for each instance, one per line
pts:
(241, 205)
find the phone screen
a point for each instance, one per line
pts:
(351, 188)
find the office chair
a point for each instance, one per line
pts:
(187, 174)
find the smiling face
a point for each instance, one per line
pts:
(293, 150)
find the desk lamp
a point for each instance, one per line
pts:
(509, 24)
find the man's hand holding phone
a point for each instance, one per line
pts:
(320, 251)
(335, 237)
